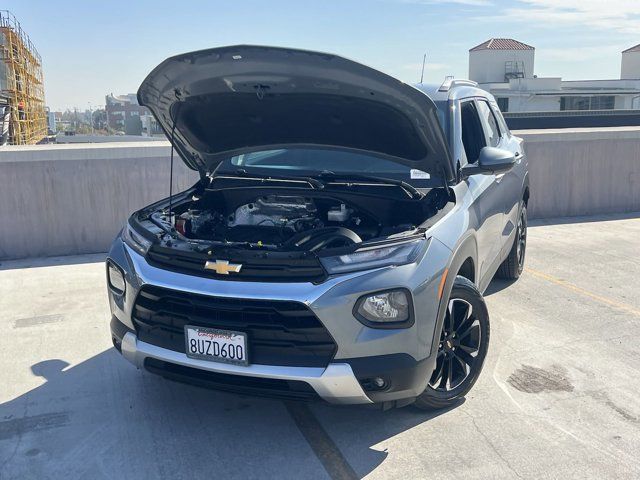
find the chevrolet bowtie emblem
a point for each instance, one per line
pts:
(223, 267)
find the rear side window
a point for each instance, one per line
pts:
(490, 123)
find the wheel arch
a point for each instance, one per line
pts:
(525, 189)
(468, 269)
(463, 262)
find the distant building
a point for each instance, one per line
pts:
(123, 113)
(51, 121)
(505, 67)
(630, 68)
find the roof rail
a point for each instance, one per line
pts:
(454, 82)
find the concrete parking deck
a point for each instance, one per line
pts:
(558, 398)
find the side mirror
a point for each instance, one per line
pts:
(491, 160)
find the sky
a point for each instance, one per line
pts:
(92, 48)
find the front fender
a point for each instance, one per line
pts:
(467, 248)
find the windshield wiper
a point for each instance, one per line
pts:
(242, 173)
(409, 189)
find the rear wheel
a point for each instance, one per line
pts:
(512, 267)
(463, 345)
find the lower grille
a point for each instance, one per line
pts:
(278, 332)
(255, 386)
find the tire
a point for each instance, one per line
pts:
(513, 265)
(464, 338)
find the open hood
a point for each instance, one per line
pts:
(232, 100)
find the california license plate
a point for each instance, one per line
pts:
(216, 345)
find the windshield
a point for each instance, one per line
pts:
(309, 162)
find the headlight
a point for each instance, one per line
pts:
(134, 240)
(365, 259)
(391, 308)
(115, 277)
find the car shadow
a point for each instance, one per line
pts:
(497, 285)
(600, 217)
(103, 418)
(52, 261)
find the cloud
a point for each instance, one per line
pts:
(615, 15)
(432, 67)
(579, 54)
(471, 3)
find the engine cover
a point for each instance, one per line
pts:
(276, 211)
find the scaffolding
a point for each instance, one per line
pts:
(21, 82)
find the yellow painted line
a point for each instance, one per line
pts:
(582, 291)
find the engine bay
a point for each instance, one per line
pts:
(280, 220)
(283, 222)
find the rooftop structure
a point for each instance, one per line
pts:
(505, 67)
(21, 83)
(632, 49)
(630, 66)
(501, 44)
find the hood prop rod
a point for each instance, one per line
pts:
(173, 133)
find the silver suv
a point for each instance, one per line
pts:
(339, 239)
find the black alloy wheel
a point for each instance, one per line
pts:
(458, 348)
(521, 245)
(461, 350)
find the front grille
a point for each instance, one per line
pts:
(278, 332)
(269, 387)
(257, 266)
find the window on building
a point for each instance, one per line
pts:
(514, 69)
(503, 104)
(133, 113)
(602, 102)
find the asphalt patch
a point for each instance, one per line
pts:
(36, 321)
(530, 379)
(19, 426)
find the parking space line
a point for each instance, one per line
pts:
(318, 439)
(570, 286)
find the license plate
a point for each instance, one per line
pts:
(216, 345)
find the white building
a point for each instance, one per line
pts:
(505, 67)
(630, 68)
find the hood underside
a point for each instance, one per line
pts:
(232, 100)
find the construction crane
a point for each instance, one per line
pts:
(21, 83)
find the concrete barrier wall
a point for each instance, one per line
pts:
(69, 199)
(583, 171)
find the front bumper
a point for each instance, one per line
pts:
(402, 357)
(335, 384)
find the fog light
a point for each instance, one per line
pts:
(390, 307)
(115, 278)
(376, 383)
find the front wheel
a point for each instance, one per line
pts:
(464, 341)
